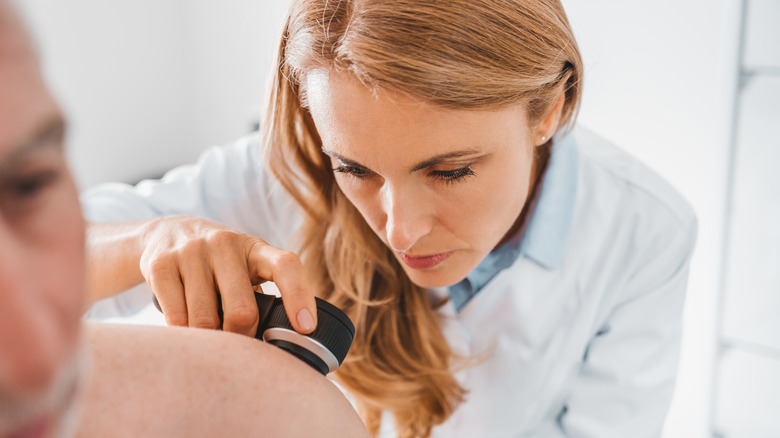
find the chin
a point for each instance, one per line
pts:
(55, 413)
(434, 278)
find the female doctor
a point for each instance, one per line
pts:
(508, 273)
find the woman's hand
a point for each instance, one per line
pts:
(188, 260)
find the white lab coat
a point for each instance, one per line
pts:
(579, 337)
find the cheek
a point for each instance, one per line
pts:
(484, 212)
(59, 232)
(365, 198)
(43, 290)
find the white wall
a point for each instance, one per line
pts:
(150, 83)
(230, 49)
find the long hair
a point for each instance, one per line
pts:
(470, 54)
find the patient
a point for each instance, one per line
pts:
(61, 378)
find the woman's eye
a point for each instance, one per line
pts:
(351, 170)
(451, 176)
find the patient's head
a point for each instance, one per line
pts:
(41, 246)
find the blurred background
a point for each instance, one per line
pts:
(691, 87)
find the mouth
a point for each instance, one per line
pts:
(38, 429)
(424, 262)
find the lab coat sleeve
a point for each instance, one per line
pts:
(228, 185)
(628, 372)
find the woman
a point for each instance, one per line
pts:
(508, 275)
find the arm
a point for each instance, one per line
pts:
(628, 373)
(114, 253)
(173, 382)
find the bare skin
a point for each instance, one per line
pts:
(184, 382)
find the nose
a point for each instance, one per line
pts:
(28, 338)
(410, 216)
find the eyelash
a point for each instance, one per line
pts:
(446, 176)
(351, 170)
(457, 175)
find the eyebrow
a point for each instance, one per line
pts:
(48, 134)
(436, 159)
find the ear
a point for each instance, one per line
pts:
(546, 127)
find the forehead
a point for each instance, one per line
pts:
(25, 103)
(353, 120)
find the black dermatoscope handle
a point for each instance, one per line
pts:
(324, 349)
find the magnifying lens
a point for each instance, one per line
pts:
(324, 349)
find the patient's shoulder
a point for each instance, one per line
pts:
(164, 381)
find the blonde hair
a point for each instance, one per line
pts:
(473, 54)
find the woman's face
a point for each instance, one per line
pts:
(440, 187)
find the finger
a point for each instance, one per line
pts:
(199, 292)
(167, 287)
(286, 270)
(239, 306)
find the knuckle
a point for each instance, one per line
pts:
(287, 259)
(193, 249)
(253, 248)
(176, 319)
(252, 242)
(159, 267)
(205, 322)
(222, 239)
(158, 278)
(242, 316)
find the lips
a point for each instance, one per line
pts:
(424, 262)
(39, 429)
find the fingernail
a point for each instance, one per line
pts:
(305, 321)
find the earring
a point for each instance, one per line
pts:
(544, 139)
